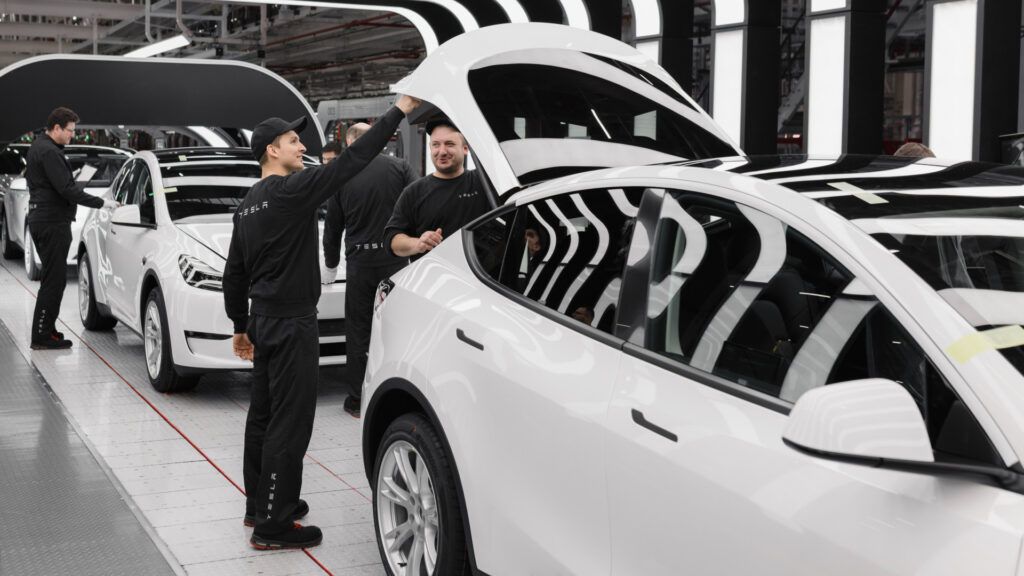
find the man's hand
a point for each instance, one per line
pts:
(407, 104)
(243, 347)
(328, 275)
(428, 241)
(111, 204)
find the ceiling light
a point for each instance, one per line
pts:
(172, 43)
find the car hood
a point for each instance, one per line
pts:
(214, 232)
(537, 101)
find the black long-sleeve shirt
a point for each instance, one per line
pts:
(273, 254)
(53, 192)
(361, 209)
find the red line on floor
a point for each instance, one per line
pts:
(332, 473)
(161, 414)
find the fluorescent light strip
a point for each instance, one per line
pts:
(576, 14)
(951, 92)
(166, 45)
(728, 12)
(825, 90)
(647, 16)
(514, 10)
(727, 103)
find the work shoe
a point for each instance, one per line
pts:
(300, 512)
(352, 406)
(298, 537)
(54, 342)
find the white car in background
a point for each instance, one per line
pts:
(777, 365)
(15, 239)
(156, 263)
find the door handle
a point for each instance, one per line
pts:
(638, 417)
(462, 336)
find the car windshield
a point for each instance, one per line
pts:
(203, 168)
(195, 200)
(969, 247)
(553, 121)
(106, 165)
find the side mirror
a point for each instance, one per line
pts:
(128, 215)
(861, 419)
(875, 423)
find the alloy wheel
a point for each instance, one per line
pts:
(153, 337)
(407, 508)
(83, 288)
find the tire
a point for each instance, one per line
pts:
(9, 249)
(88, 311)
(409, 444)
(157, 344)
(32, 270)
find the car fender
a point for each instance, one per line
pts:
(376, 418)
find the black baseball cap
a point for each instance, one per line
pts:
(265, 132)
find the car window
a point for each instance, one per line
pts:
(124, 189)
(144, 196)
(737, 293)
(568, 253)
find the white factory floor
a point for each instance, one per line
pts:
(176, 460)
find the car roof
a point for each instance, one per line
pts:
(849, 184)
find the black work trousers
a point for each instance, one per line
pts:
(360, 288)
(280, 421)
(52, 241)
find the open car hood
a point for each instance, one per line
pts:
(537, 101)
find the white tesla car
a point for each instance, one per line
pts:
(15, 239)
(778, 365)
(156, 263)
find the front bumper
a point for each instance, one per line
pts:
(201, 331)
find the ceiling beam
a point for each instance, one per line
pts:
(34, 30)
(66, 8)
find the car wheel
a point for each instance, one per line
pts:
(90, 313)
(157, 343)
(415, 506)
(9, 249)
(32, 269)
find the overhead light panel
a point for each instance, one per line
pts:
(172, 43)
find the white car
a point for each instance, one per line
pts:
(15, 239)
(778, 365)
(156, 263)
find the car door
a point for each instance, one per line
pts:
(124, 246)
(744, 314)
(541, 347)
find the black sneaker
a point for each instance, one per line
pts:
(298, 537)
(54, 342)
(300, 512)
(352, 406)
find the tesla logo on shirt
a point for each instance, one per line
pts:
(255, 208)
(466, 195)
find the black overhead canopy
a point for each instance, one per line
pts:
(149, 92)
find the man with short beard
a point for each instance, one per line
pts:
(438, 204)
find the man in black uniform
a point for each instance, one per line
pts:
(361, 209)
(53, 199)
(273, 261)
(440, 203)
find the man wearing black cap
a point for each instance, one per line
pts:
(360, 210)
(273, 260)
(440, 203)
(53, 199)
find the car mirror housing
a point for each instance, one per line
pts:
(128, 215)
(873, 418)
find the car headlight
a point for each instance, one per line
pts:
(200, 274)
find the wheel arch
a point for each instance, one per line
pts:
(149, 282)
(393, 398)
